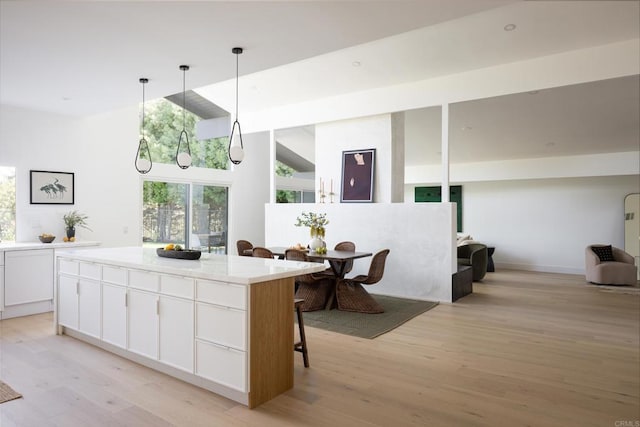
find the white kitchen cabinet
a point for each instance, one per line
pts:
(28, 276)
(142, 324)
(114, 314)
(176, 332)
(221, 325)
(67, 308)
(229, 368)
(79, 304)
(89, 318)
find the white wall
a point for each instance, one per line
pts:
(545, 224)
(99, 150)
(363, 133)
(250, 191)
(420, 237)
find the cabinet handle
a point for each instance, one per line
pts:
(126, 299)
(77, 287)
(158, 306)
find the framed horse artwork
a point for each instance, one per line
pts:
(51, 188)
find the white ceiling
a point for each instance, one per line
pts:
(85, 57)
(82, 58)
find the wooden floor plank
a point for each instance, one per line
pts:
(524, 349)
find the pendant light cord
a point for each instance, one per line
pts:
(237, 86)
(184, 120)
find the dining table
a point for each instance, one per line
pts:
(338, 261)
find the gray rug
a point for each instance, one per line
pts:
(396, 312)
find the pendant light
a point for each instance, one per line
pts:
(236, 150)
(183, 159)
(143, 155)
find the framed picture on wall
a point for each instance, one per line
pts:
(51, 188)
(358, 168)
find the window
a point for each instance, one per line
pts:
(7, 203)
(170, 209)
(295, 195)
(163, 124)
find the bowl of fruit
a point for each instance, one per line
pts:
(178, 252)
(46, 238)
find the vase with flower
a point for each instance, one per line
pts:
(316, 224)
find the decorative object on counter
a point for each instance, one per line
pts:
(143, 155)
(179, 254)
(357, 175)
(51, 188)
(236, 151)
(73, 219)
(46, 238)
(183, 159)
(316, 224)
(322, 195)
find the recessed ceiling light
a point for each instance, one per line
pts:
(550, 144)
(66, 98)
(466, 128)
(356, 63)
(510, 27)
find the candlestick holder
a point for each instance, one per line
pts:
(331, 196)
(322, 196)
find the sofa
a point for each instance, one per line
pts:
(608, 265)
(474, 255)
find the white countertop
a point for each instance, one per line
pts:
(228, 268)
(23, 246)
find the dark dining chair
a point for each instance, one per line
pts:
(352, 296)
(260, 252)
(342, 246)
(313, 289)
(299, 303)
(244, 245)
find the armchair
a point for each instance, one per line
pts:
(475, 255)
(620, 271)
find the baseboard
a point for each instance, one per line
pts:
(539, 268)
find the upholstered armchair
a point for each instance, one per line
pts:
(475, 255)
(610, 266)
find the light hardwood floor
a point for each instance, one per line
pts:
(523, 349)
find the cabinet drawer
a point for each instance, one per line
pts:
(176, 286)
(221, 293)
(221, 325)
(115, 275)
(144, 280)
(68, 266)
(90, 270)
(222, 365)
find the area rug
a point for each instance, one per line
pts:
(7, 393)
(396, 312)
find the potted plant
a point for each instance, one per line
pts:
(72, 220)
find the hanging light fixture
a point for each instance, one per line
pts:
(236, 149)
(183, 159)
(143, 155)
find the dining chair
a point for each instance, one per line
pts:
(352, 296)
(260, 252)
(313, 289)
(242, 246)
(342, 246)
(301, 345)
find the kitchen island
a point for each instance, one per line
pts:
(224, 323)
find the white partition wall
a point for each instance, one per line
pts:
(421, 238)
